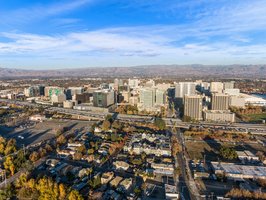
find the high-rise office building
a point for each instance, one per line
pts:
(193, 107)
(76, 90)
(42, 89)
(163, 86)
(134, 100)
(103, 98)
(150, 83)
(34, 91)
(219, 101)
(71, 91)
(105, 86)
(204, 87)
(229, 85)
(216, 87)
(118, 83)
(82, 98)
(185, 88)
(160, 97)
(133, 83)
(126, 95)
(50, 90)
(147, 97)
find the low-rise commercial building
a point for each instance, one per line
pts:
(247, 156)
(236, 172)
(218, 116)
(60, 98)
(237, 101)
(68, 104)
(171, 192)
(163, 168)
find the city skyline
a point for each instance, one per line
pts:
(91, 33)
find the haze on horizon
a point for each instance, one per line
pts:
(38, 34)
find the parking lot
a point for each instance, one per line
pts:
(35, 133)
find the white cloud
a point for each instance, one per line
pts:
(221, 36)
(117, 43)
(38, 12)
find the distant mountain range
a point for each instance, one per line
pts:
(178, 71)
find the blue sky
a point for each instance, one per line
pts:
(42, 34)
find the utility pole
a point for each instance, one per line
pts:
(24, 150)
(5, 179)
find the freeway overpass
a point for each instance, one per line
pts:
(253, 128)
(170, 122)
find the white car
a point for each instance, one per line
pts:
(20, 137)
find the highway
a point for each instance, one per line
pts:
(259, 129)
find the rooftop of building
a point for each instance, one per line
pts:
(240, 169)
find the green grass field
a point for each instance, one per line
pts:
(256, 117)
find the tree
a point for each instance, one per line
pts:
(136, 161)
(90, 170)
(61, 140)
(236, 193)
(42, 152)
(137, 191)
(31, 183)
(160, 123)
(21, 181)
(46, 188)
(77, 156)
(9, 165)
(116, 125)
(48, 148)
(6, 193)
(20, 159)
(95, 182)
(27, 193)
(109, 118)
(2, 145)
(114, 137)
(186, 118)
(10, 147)
(143, 156)
(82, 149)
(62, 192)
(106, 125)
(90, 151)
(93, 126)
(59, 132)
(163, 111)
(2, 148)
(34, 156)
(228, 153)
(11, 142)
(262, 182)
(74, 195)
